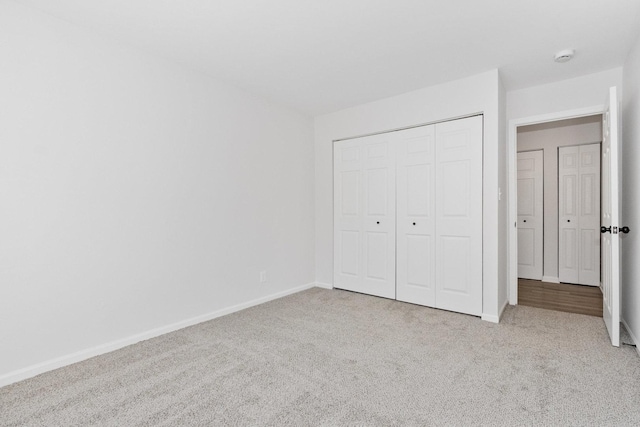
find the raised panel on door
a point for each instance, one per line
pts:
(526, 249)
(568, 218)
(349, 253)
(364, 215)
(458, 213)
(530, 214)
(415, 274)
(589, 215)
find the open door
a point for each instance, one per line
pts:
(610, 220)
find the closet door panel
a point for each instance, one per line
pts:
(415, 215)
(530, 214)
(379, 249)
(364, 215)
(568, 218)
(348, 228)
(458, 215)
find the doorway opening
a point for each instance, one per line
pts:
(558, 214)
(548, 216)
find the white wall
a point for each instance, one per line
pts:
(630, 197)
(135, 194)
(572, 94)
(477, 94)
(503, 219)
(548, 137)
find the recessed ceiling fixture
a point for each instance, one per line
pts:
(564, 55)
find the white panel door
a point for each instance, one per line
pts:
(568, 201)
(379, 249)
(530, 214)
(348, 216)
(589, 215)
(610, 218)
(364, 215)
(579, 214)
(459, 215)
(415, 267)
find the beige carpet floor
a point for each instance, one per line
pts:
(324, 357)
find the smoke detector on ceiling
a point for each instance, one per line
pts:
(564, 55)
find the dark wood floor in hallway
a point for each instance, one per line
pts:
(561, 297)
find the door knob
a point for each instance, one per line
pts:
(604, 229)
(414, 223)
(377, 222)
(625, 229)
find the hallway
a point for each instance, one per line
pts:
(561, 297)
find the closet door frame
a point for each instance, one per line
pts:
(477, 217)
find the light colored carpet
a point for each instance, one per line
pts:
(325, 357)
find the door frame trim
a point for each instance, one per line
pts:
(512, 153)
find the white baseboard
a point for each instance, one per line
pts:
(490, 318)
(550, 279)
(59, 362)
(493, 318)
(633, 337)
(324, 285)
(503, 308)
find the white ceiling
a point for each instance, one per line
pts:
(320, 56)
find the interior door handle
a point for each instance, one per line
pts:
(625, 229)
(604, 229)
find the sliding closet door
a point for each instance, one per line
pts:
(458, 202)
(364, 215)
(416, 215)
(418, 192)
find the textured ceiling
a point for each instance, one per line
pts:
(322, 56)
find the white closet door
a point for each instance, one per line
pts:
(579, 214)
(364, 215)
(568, 198)
(347, 214)
(530, 214)
(415, 215)
(459, 215)
(589, 215)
